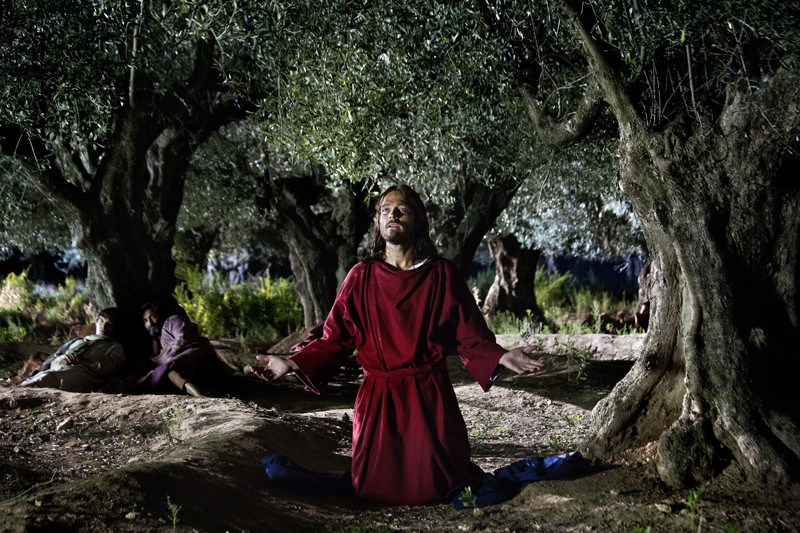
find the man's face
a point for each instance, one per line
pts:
(104, 326)
(151, 322)
(396, 220)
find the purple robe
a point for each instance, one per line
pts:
(180, 348)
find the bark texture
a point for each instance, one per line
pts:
(719, 202)
(513, 286)
(461, 227)
(321, 230)
(121, 200)
(721, 211)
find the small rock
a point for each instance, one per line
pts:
(663, 507)
(65, 424)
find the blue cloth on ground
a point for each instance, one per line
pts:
(506, 482)
(289, 475)
(485, 488)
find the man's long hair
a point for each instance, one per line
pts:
(424, 248)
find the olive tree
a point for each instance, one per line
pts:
(408, 94)
(704, 101)
(102, 107)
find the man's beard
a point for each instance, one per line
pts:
(154, 331)
(398, 237)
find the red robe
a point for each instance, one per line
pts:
(410, 442)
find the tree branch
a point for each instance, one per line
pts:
(70, 171)
(551, 129)
(137, 29)
(562, 134)
(41, 170)
(609, 79)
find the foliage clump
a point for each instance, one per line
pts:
(261, 309)
(573, 306)
(28, 309)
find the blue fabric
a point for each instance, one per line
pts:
(485, 489)
(506, 482)
(289, 475)
(534, 468)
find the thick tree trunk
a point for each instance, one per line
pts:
(322, 232)
(460, 229)
(641, 316)
(121, 200)
(513, 286)
(716, 383)
(127, 268)
(125, 227)
(193, 246)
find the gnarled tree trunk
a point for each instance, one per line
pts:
(719, 203)
(321, 231)
(460, 228)
(121, 200)
(125, 223)
(717, 378)
(513, 286)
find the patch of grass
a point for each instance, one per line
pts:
(574, 420)
(556, 443)
(470, 501)
(577, 359)
(571, 307)
(564, 434)
(506, 322)
(574, 307)
(693, 501)
(169, 422)
(12, 326)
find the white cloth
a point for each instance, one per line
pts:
(103, 354)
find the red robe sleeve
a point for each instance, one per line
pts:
(319, 360)
(475, 343)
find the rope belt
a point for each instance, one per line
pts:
(435, 367)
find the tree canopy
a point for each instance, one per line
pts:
(375, 92)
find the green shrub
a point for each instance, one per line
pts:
(263, 309)
(36, 308)
(554, 290)
(505, 322)
(17, 292)
(66, 305)
(12, 326)
(570, 306)
(480, 283)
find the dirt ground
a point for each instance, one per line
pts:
(116, 462)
